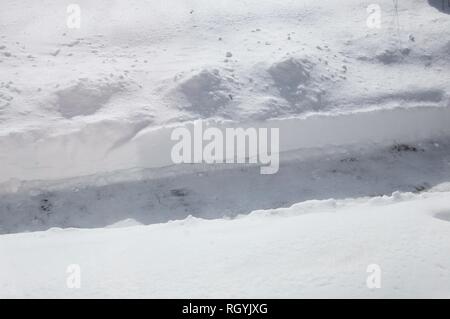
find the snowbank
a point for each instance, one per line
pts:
(313, 249)
(111, 145)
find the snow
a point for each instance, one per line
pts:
(312, 249)
(154, 59)
(86, 174)
(126, 145)
(174, 192)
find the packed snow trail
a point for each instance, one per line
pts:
(217, 191)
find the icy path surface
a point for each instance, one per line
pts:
(313, 249)
(217, 191)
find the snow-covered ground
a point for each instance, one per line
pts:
(313, 249)
(87, 178)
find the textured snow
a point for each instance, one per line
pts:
(313, 249)
(86, 175)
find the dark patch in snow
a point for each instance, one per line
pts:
(180, 192)
(296, 84)
(206, 93)
(399, 148)
(421, 188)
(445, 216)
(45, 205)
(441, 5)
(390, 56)
(86, 97)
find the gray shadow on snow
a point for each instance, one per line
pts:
(441, 5)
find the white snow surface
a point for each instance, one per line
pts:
(312, 249)
(86, 176)
(77, 100)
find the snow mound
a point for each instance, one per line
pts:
(296, 82)
(445, 216)
(390, 56)
(86, 97)
(206, 92)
